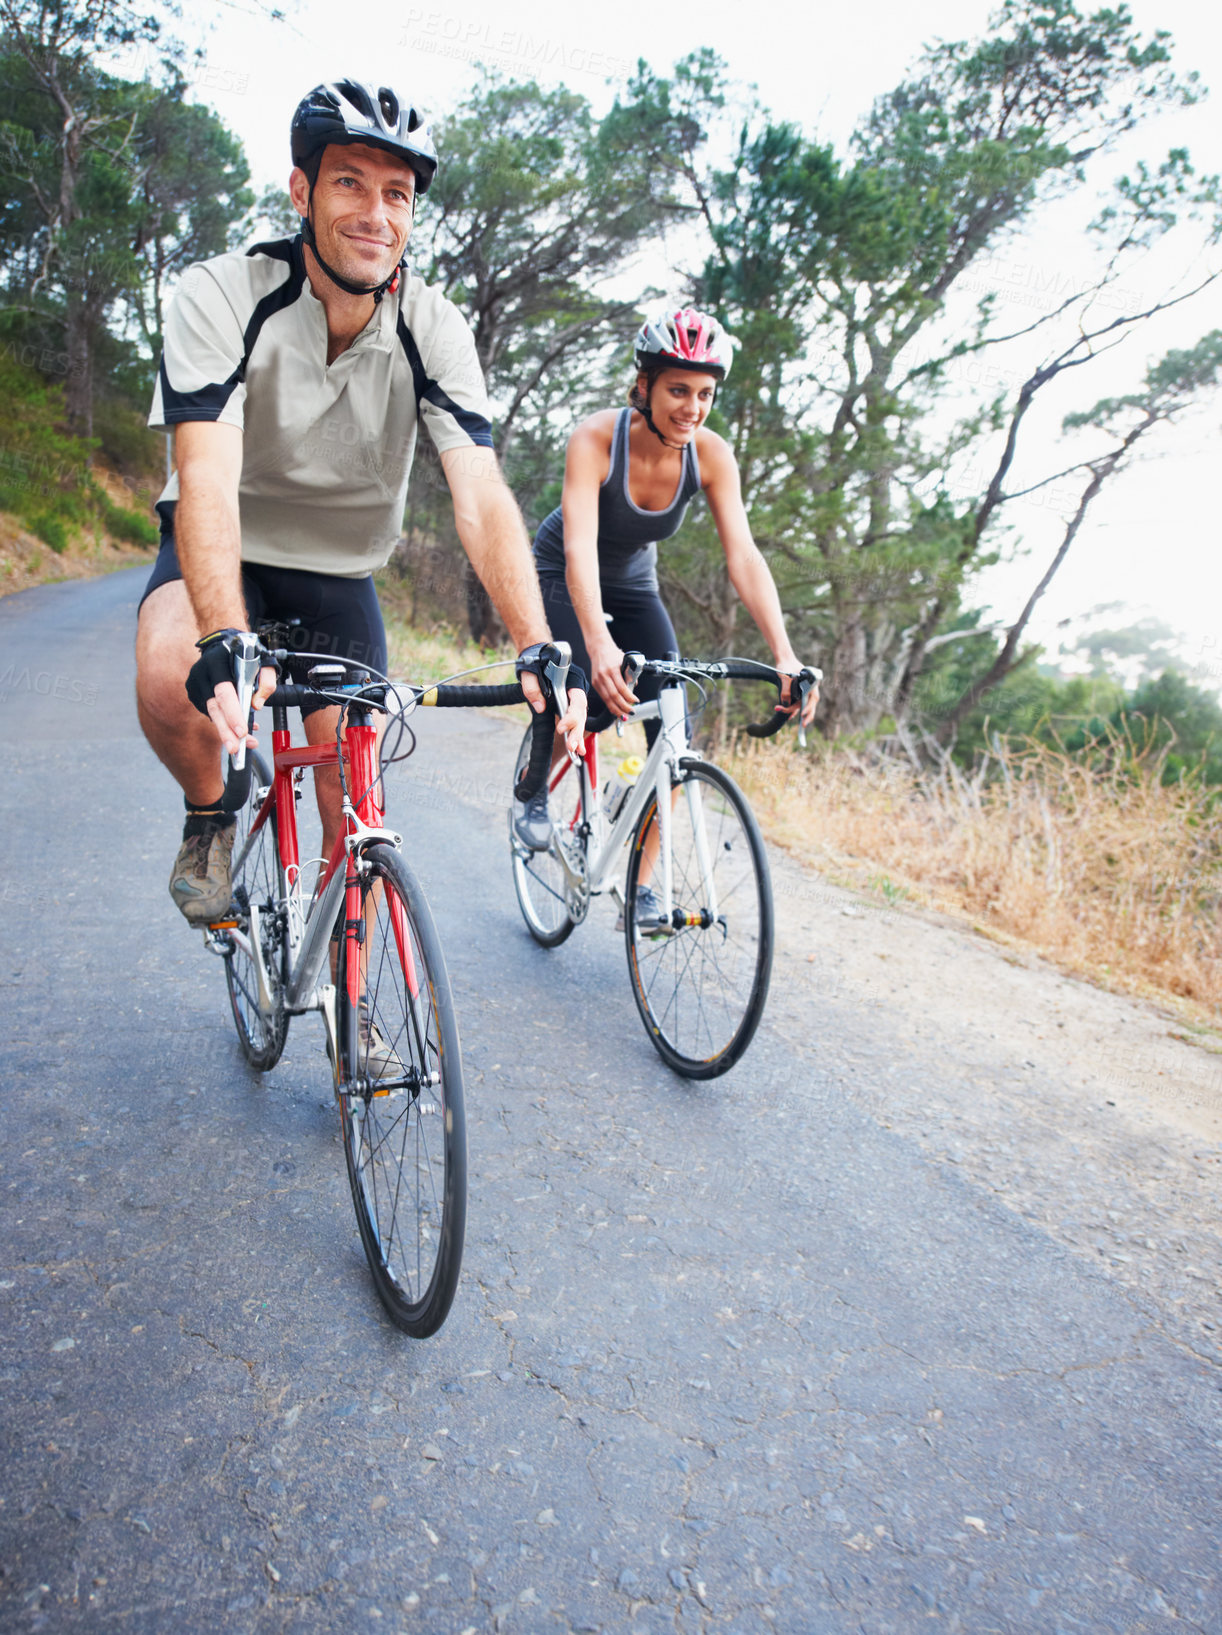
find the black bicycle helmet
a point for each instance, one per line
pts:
(347, 110)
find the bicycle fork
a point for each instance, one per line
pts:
(672, 708)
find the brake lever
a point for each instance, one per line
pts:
(557, 660)
(247, 663)
(809, 676)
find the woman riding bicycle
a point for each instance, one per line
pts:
(629, 477)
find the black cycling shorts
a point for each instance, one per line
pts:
(339, 618)
(637, 619)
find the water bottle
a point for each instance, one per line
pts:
(620, 787)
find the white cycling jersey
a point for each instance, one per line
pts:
(327, 449)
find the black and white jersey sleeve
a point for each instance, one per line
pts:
(448, 381)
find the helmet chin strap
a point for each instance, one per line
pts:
(376, 290)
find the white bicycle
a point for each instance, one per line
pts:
(696, 896)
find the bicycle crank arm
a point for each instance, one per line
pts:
(223, 937)
(256, 953)
(327, 1006)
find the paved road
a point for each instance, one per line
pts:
(726, 1358)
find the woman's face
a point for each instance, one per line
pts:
(679, 401)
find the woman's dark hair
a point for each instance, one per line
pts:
(638, 399)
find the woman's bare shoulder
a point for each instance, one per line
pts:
(714, 453)
(597, 430)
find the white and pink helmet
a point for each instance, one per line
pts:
(683, 338)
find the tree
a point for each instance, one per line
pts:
(188, 198)
(1170, 387)
(537, 206)
(54, 46)
(114, 185)
(843, 278)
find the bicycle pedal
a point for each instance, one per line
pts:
(655, 928)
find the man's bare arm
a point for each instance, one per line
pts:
(208, 538)
(493, 535)
(206, 527)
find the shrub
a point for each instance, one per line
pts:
(52, 530)
(128, 525)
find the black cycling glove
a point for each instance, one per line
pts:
(536, 659)
(214, 665)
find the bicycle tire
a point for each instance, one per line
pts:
(701, 988)
(538, 877)
(405, 1148)
(257, 883)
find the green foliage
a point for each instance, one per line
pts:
(1167, 715)
(113, 186)
(1177, 713)
(1027, 703)
(131, 526)
(1170, 385)
(120, 426)
(46, 479)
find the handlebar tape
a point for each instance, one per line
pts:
(453, 697)
(237, 786)
(769, 729)
(748, 670)
(533, 779)
(733, 670)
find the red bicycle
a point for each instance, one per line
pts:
(362, 950)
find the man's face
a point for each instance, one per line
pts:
(361, 208)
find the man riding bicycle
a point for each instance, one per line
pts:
(295, 377)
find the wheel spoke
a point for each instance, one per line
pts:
(408, 1181)
(701, 989)
(539, 878)
(256, 884)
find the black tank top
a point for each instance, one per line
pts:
(627, 535)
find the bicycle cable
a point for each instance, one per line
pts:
(346, 698)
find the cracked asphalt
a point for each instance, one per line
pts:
(757, 1355)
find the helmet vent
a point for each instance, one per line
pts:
(389, 104)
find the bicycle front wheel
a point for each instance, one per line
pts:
(258, 911)
(539, 878)
(700, 979)
(401, 1099)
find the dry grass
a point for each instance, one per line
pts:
(1099, 867)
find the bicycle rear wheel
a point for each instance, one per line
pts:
(701, 981)
(259, 912)
(401, 1101)
(539, 878)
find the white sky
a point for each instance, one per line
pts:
(1152, 542)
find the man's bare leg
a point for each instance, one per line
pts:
(186, 743)
(183, 740)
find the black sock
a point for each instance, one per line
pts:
(202, 820)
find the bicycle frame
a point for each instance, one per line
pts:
(308, 931)
(658, 777)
